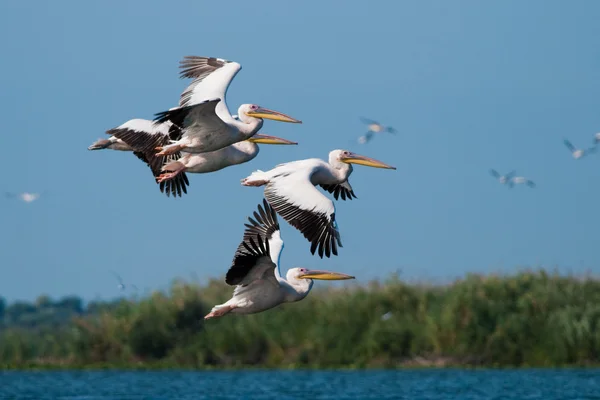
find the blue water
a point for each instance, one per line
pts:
(414, 385)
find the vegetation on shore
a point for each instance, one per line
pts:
(533, 318)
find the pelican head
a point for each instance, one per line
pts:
(255, 111)
(266, 139)
(304, 273)
(349, 157)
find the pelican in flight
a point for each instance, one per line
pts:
(237, 153)
(122, 136)
(374, 127)
(290, 190)
(578, 153)
(255, 272)
(503, 179)
(205, 121)
(518, 180)
(26, 197)
(597, 138)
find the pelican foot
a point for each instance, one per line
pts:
(219, 312)
(168, 150)
(166, 177)
(253, 182)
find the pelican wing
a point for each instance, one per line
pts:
(257, 255)
(569, 145)
(212, 77)
(343, 189)
(368, 121)
(301, 204)
(201, 117)
(144, 136)
(495, 173)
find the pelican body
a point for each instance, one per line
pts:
(290, 190)
(255, 271)
(237, 153)
(520, 180)
(578, 153)
(503, 179)
(205, 121)
(374, 127)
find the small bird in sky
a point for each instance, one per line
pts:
(503, 179)
(121, 284)
(26, 197)
(578, 153)
(518, 180)
(597, 138)
(374, 127)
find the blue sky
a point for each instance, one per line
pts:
(469, 85)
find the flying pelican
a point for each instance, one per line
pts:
(121, 285)
(578, 153)
(26, 197)
(255, 270)
(154, 135)
(503, 179)
(205, 121)
(237, 153)
(290, 190)
(516, 180)
(374, 127)
(596, 138)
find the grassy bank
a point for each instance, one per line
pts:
(528, 319)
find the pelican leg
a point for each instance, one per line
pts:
(219, 312)
(172, 174)
(169, 149)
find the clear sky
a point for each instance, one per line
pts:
(469, 85)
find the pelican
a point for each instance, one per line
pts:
(26, 197)
(255, 270)
(578, 153)
(237, 153)
(290, 190)
(153, 134)
(503, 179)
(205, 121)
(596, 138)
(374, 127)
(517, 180)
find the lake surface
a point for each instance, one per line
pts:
(414, 385)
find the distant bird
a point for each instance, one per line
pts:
(517, 180)
(290, 190)
(597, 138)
(255, 270)
(205, 121)
(503, 179)
(386, 316)
(26, 197)
(155, 135)
(578, 153)
(237, 153)
(374, 127)
(121, 285)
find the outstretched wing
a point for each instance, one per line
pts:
(343, 189)
(368, 121)
(304, 207)
(495, 173)
(257, 256)
(143, 136)
(212, 77)
(569, 145)
(366, 137)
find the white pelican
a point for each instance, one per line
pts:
(374, 127)
(578, 153)
(503, 179)
(290, 190)
(596, 138)
(121, 285)
(154, 135)
(26, 197)
(517, 180)
(237, 153)
(205, 121)
(255, 270)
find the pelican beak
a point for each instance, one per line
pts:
(353, 158)
(325, 276)
(266, 139)
(265, 113)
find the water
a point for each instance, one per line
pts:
(281, 385)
